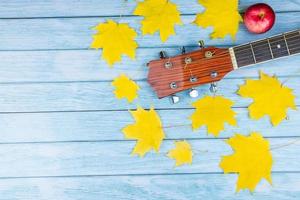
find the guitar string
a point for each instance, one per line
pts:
(184, 80)
(261, 58)
(197, 70)
(191, 72)
(292, 47)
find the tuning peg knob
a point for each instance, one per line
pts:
(193, 93)
(213, 87)
(201, 44)
(174, 99)
(183, 50)
(162, 54)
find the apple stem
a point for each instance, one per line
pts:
(261, 15)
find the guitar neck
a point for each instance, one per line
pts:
(268, 49)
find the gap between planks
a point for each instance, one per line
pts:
(148, 174)
(130, 140)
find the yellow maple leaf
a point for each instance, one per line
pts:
(270, 97)
(251, 159)
(147, 130)
(182, 153)
(115, 39)
(159, 15)
(125, 88)
(213, 112)
(222, 15)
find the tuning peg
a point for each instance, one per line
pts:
(162, 54)
(201, 44)
(183, 50)
(174, 99)
(213, 87)
(193, 93)
(214, 74)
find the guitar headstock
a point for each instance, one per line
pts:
(170, 75)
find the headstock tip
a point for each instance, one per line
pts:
(170, 75)
(201, 44)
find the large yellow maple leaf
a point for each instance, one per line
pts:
(222, 15)
(182, 153)
(125, 88)
(270, 97)
(147, 130)
(159, 15)
(213, 112)
(115, 39)
(251, 159)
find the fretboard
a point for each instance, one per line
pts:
(278, 46)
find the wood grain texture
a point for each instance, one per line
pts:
(99, 126)
(81, 96)
(60, 124)
(74, 8)
(114, 158)
(169, 187)
(86, 65)
(76, 33)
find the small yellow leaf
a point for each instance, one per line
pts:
(251, 159)
(222, 15)
(147, 130)
(213, 112)
(159, 15)
(182, 153)
(125, 88)
(115, 39)
(270, 97)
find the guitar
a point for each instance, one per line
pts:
(170, 75)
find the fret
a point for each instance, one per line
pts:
(270, 48)
(262, 51)
(243, 55)
(253, 53)
(278, 46)
(267, 49)
(287, 47)
(293, 41)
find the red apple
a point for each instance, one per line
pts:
(259, 18)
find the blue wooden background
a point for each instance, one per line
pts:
(60, 124)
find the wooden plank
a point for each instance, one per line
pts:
(164, 187)
(114, 158)
(99, 126)
(76, 33)
(78, 96)
(67, 8)
(86, 65)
